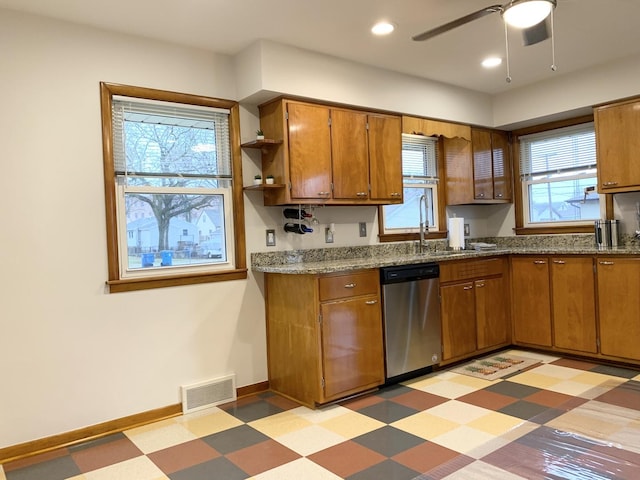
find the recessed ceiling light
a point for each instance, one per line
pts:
(383, 28)
(491, 62)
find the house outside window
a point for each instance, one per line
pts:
(420, 177)
(558, 177)
(170, 157)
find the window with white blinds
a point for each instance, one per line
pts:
(558, 170)
(420, 177)
(556, 152)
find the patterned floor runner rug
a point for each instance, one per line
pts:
(495, 366)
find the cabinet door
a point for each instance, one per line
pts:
(619, 306)
(492, 319)
(349, 155)
(501, 155)
(531, 300)
(457, 310)
(618, 144)
(482, 164)
(309, 151)
(385, 157)
(352, 346)
(574, 305)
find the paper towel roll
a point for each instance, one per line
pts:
(456, 233)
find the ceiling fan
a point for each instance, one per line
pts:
(528, 15)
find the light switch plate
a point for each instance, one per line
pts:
(328, 235)
(362, 227)
(271, 237)
(467, 231)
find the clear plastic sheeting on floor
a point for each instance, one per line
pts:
(596, 440)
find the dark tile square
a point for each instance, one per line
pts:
(486, 399)
(549, 398)
(512, 389)
(419, 400)
(182, 456)
(234, 439)
(217, 469)
(527, 411)
(55, 469)
(252, 410)
(577, 364)
(388, 441)
(626, 395)
(362, 402)
(387, 470)
(262, 456)
(346, 458)
(97, 442)
(95, 455)
(447, 468)
(387, 412)
(523, 460)
(615, 371)
(425, 457)
(393, 390)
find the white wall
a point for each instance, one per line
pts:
(73, 355)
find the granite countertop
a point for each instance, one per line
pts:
(331, 260)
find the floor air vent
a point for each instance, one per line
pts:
(208, 393)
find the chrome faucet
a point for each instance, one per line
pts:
(424, 221)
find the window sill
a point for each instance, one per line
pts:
(553, 230)
(130, 285)
(403, 237)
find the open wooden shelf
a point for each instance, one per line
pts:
(266, 143)
(265, 186)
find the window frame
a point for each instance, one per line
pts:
(116, 282)
(434, 233)
(521, 228)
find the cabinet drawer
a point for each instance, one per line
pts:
(469, 269)
(349, 285)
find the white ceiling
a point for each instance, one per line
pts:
(587, 32)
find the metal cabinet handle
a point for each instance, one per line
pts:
(499, 195)
(481, 194)
(609, 184)
(539, 262)
(361, 194)
(605, 263)
(467, 287)
(480, 285)
(350, 285)
(323, 193)
(371, 302)
(559, 262)
(395, 194)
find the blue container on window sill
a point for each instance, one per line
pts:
(147, 259)
(167, 258)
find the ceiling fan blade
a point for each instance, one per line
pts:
(457, 23)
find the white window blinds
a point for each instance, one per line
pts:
(419, 156)
(161, 138)
(567, 150)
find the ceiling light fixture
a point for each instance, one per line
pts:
(491, 62)
(382, 28)
(527, 13)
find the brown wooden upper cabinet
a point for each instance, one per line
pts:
(331, 155)
(618, 145)
(491, 165)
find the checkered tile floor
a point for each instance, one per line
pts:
(561, 419)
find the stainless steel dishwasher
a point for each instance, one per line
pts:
(411, 314)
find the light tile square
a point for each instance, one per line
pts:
(458, 412)
(208, 422)
(310, 440)
(447, 389)
(496, 423)
(139, 468)
(541, 357)
(160, 435)
(425, 425)
(535, 379)
(322, 414)
(469, 441)
(301, 468)
(351, 425)
(482, 471)
(477, 383)
(280, 424)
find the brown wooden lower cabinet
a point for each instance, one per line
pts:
(474, 306)
(619, 306)
(324, 335)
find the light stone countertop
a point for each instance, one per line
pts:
(296, 263)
